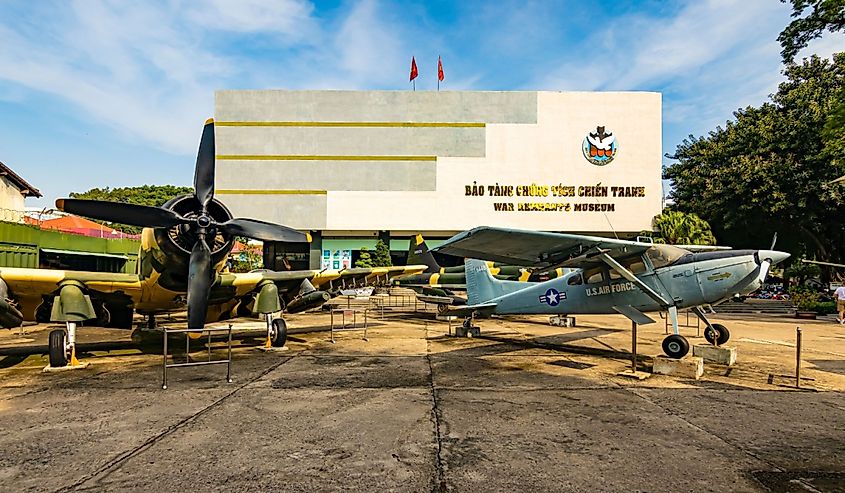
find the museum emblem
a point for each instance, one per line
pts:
(599, 147)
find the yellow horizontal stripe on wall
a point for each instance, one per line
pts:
(353, 124)
(249, 157)
(269, 192)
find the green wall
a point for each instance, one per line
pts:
(20, 244)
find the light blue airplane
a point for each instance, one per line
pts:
(610, 276)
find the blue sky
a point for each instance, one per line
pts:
(104, 93)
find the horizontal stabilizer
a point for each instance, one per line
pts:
(635, 315)
(467, 310)
(441, 300)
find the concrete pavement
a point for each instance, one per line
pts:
(527, 407)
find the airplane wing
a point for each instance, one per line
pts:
(817, 262)
(483, 309)
(31, 283)
(702, 248)
(324, 280)
(537, 248)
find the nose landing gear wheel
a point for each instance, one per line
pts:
(280, 332)
(675, 346)
(58, 348)
(721, 335)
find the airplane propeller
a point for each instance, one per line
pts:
(200, 271)
(766, 263)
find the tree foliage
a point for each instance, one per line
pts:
(682, 228)
(381, 258)
(823, 15)
(769, 169)
(152, 195)
(802, 271)
(364, 259)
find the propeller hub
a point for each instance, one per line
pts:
(204, 221)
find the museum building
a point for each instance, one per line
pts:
(355, 166)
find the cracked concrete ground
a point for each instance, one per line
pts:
(527, 407)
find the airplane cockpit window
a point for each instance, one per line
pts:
(575, 280)
(636, 265)
(594, 275)
(663, 255)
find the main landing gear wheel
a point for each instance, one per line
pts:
(280, 332)
(675, 346)
(58, 348)
(718, 335)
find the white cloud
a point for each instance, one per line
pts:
(141, 68)
(636, 52)
(287, 17)
(369, 49)
(150, 70)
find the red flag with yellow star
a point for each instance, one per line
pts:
(414, 71)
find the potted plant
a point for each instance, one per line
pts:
(805, 301)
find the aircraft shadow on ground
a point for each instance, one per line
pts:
(152, 343)
(829, 365)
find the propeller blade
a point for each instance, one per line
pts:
(204, 172)
(764, 270)
(260, 230)
(118, 212)
(199, 284)
(774, 240)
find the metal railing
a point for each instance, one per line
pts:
(188, 332)
(343, 325)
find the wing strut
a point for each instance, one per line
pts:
(627, 274)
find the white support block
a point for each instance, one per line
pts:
(689, 367)
(721, 355)
(562, 321)
(57, 369)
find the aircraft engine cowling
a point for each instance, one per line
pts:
(177, 241)
(308, 301)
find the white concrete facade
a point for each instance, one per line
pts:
(359, 162)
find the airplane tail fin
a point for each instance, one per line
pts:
(419, 254)
(482, 286)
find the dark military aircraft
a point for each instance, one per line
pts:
(184, 247)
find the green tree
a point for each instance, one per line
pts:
(822, 15)
(682, 228)
(364, 260)
(381, 258)
(769, 169)
(801, 271)
(152, 195)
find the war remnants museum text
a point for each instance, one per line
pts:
(558, 190)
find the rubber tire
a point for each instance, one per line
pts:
(724, 335)
(675, 346)
(280, 332)
(58, 355)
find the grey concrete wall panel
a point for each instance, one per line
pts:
(327, 175)
(300, 211)
(352, 141)
(387, 106)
